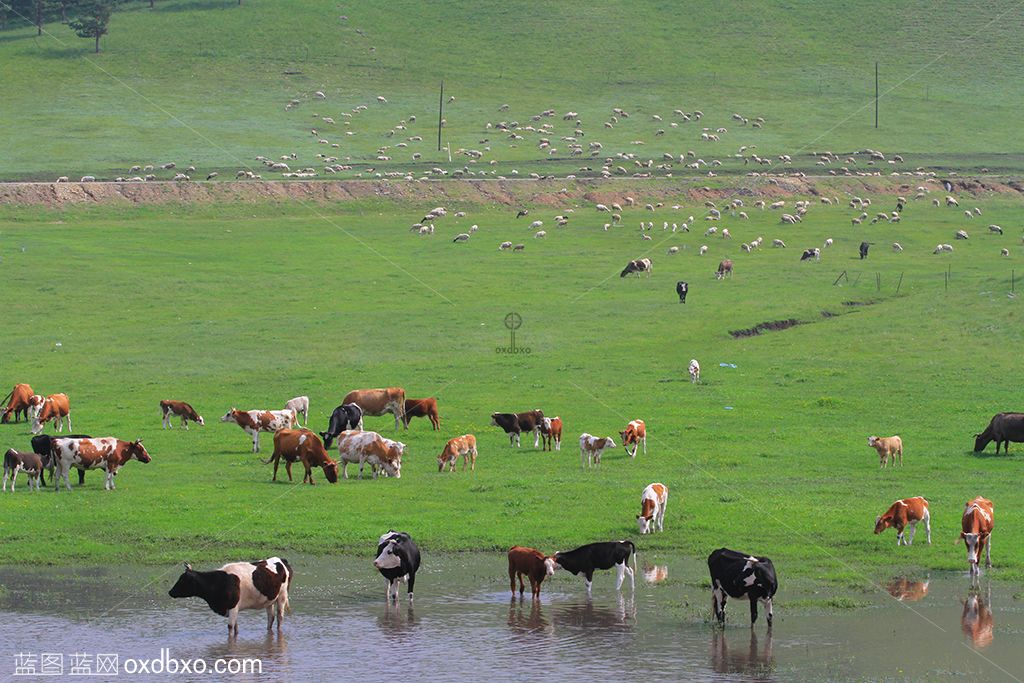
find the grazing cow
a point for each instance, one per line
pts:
(652, 508)
(903, 513)
(20, 399)
(345, 417)
(42, 445)
(724, 269)
(637, 266)
(681, 289)
(1003, 428)
(890, 446)
(107, 453)
(398, 559)
(422, 407)
(591, 448)
(736, 575)
(905, 590)
(811, 254)
(56, 408)
(864, 250)
(694, 371)
(551, 431)
(255, 421)
(16, 461)
(240, 585)
(370, 447)
(976, 619)
(465, 446)
(302, 444)
(976, 524)
(515, 424)
(299, 404)
(634, 434)
(527, 562)
(588, 558)
(183, 410)
(376, 402)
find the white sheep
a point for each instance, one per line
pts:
(703, 249)
(896, 246)
(539, 234)
(504, 245)
(778, 243)
(828, 242)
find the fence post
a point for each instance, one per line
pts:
(899, 284)
(1013, 278)
(878, 282)
(841, 276)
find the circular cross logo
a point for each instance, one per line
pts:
(513, 321)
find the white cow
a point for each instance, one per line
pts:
(299, 404)
(694, 370)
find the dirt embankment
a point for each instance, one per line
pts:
(552, 192)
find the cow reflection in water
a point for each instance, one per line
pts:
(396, 619)
(655, 573)
(976, 619)
(754, 661)
(532, 620)
(905, 590)
(588, 614)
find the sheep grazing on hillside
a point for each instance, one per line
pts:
(778, 243)
(777, 205)
(896, 246)
(703, 249)
(789, 219)
(673, 250)
(951, 201)
(504, 245)
(828, 242)
(461, 237)
(940, 248)
(536, 224)
(996, 229)
(746, 247)
(726, 234)
(1004, 252)
(962, 235)
(62, 179)
(539, 234)
(887, 447)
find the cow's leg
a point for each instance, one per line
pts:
(519, 443)
(753, 610)
(719, 598)
(512, 579)
(270, 617)
(536, 437)
(344, 469)
(66, 482)
(928, 525)
(913, 530)
(309, 474)
(110, 479)
(645, 445)
(233, 621)
(589, 580)
(81, 477)
(768, 610)
(988, 552)
(621, 571)
(184, 422)
(558, 444)
(583, 458)
(163, 422)
(256, 441)
(7, 473)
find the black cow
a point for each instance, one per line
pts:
(864, 250)
(515, 424)
(41, 445)
(1004, 428)
(398, 559)
(593, 556)
(681, 289)
(348, 416)
(736, 575)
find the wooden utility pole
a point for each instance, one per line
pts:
(440, 109)
(876, 94)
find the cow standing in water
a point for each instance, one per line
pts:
(736, 575)
(398, 559)
(977, 524)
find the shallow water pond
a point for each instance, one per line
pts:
(464, 627)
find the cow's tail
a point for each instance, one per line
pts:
(633, 546)
(268, 460)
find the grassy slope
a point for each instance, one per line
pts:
(250, 305)
(203, 82)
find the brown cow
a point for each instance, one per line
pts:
(551, 430)
(376, 402)
(904, 513)
(56, 407)
(29, 463)
(530, 562)
(20, 400)
(304, 445)
(977, 524)
(724, 269)
(107, 454)
(465, 446)
(634, 435)
(421, 407)
(183, 410)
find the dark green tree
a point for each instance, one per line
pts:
(63, 6)
(37, 10)
(93, 19)
(4, 9)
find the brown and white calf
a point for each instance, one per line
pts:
(724, 269)
(305, 446)
(887, 447)
(976, 531)
(29, 463)
(591, 448)
(240, 585)
(299, 404)
(370, 447)
(551, 431)
(256, 421)
(107, 454)
(376, 402)
(55, 407)
(652, 508)
(904, 513)
(527, 562)
(422, 407)
(634, 435)
(182, 410)
(465, 446)
(19, 403)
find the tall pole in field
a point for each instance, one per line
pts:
(440, 108)
(876, 94)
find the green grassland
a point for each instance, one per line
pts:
(206, 83)
(249, 305)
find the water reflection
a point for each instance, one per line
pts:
(655, 573)
(600, 616)
(976, 618)
(906, 590)
(397, 619)
(523, 619)
(753, 661)
(272, 647)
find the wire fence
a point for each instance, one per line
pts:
(893, 284)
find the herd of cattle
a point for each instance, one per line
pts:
(264, 584)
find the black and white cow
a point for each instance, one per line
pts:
(42, 445)
(864, 249)
(344, 418)
(398, 559)
(811, 254)
(240, 585)
(588, 558)
(681, 289)
(638, 266)
(515, 424)
(737, 575)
